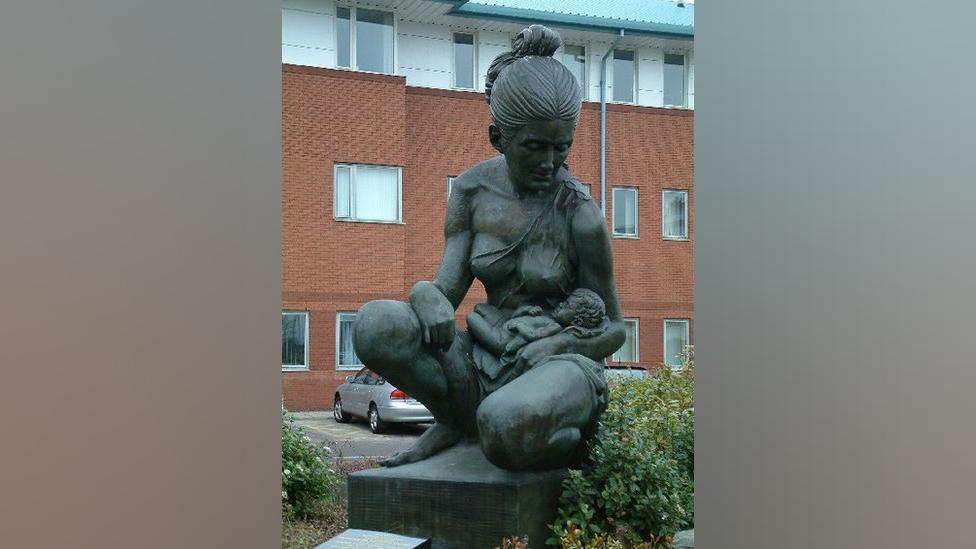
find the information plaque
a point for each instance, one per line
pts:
(361, 539)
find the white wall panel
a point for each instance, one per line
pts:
(650, 77)
(318, 6)
(490, 45)
(691, 81)
(425, 54)
(307, 33)
(296, 55)
(594, 56)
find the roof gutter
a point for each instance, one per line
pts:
(674, 31)
(603, 124)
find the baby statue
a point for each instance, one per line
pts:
(582, 313)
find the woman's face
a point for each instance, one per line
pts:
(536, 152)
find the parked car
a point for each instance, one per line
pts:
(369, 396)
(625, 370)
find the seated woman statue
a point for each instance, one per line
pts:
(524, 227)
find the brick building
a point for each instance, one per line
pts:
(382, 104)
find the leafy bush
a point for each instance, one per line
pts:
(306, 477)
(637, 486)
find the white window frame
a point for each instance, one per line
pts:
(613, 212)
(687, 323)
(352, 177)
(474, 61)
(634, 80)
(636, 322)
(450, 184)
(684, 79)
(586, 67)
(353, 61)
(663, 222)
(295, 367)
(338, 326)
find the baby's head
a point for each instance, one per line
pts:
(582, 308)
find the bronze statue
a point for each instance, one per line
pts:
(524, 227)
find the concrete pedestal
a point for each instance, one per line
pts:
(457, 499)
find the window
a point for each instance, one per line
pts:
(364, 39)
(629, 351)
(450, 184)
(623, 76)
(674, 207)
(294, 340)
(463, 60)
(675, 341)
(346, 358)
(574, 57)
(624, 211)
(674, 80)
(342, 37)
(366, 193)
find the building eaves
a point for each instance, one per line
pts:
(647, 17)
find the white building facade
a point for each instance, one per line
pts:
(430, 46)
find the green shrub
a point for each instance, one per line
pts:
(637, 485)
(306, 475)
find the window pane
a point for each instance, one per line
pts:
(674, 80)
(450, 184)
(675, 339)
(342, 37)
(374, 40)
(574, 57)
(625, 211)
(375, 193)
(628, 352)
(463, 60)
(623, 76)
(675, 210)
(346, 352)
(342, 191)
(293, 339)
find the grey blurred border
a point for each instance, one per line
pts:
(835, 267)
(140, 211)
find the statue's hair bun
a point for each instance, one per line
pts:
(534, 40)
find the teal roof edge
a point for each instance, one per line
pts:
(522, 15)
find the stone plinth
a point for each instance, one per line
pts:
(457, 499)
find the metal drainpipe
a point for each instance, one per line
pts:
(603, 124)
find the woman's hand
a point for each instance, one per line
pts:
(435, 313)
(532, 354)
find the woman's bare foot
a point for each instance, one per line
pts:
(435, 439)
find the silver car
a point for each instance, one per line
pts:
(369, 396)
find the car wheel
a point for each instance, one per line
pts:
(337, 412)
(375, 423)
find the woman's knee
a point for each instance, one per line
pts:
(386, 332)
(512, 436)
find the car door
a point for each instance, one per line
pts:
(357, 388)
(374, 388)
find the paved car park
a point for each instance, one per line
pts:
(354, 439)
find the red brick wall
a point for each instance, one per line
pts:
(331, 116)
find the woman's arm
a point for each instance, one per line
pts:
(435, 302)
(595, 273)
(454, 276)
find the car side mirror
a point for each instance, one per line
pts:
(348, 379)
